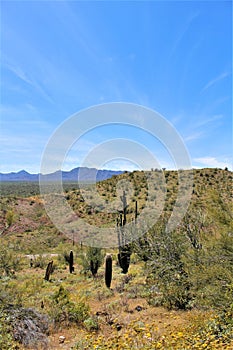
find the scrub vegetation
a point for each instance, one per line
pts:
(177, 289)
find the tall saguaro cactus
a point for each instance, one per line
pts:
(136, 211)
(108, 270)
(124, 202)
(71, 262)
(123, 246)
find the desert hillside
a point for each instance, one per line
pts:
(169, 290)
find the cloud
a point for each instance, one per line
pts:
(215, 80)
(200, 127)
(20, 74)
(23, 119)
(187, 25)
(209, 120)
(212, 162)
(194, 136)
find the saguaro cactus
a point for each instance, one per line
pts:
(136, 211)
(71, 262)
(124, 202)
(49, 270)
(124, 248)
(108, 270)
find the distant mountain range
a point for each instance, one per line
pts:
(77, 174)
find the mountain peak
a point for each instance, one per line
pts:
(76, 174)
(23, 172)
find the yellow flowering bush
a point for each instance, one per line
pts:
(196, 335)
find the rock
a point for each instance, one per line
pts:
(118, 327)
(138, 308)
(62, 339)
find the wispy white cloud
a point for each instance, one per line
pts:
(193, 137)
(198, 128)
(184, 30)
(216, 80)
(22, 118)
(209, 120)
(213, 162)
(26, 78)
(122, 164)
(176, 119)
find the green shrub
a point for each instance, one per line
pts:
(9, 217)
(6, 337)
(92, 260)
(9, 261)
(65, 311)
(167, 269)
(39, 261)
(91, 324)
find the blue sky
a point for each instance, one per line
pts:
(60, 57)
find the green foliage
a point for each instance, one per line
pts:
(9, 261)
(220, 326)
(65, 311)
(6, 338)
(9, 217)
(39, 261)
(91, 324)
(168, 271)
(92, 259)
(189, 268)
(212, 276)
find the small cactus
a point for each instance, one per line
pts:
(108, 270)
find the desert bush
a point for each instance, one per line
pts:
(9, 261)
(190, 269)
(91, 324)
(92, 260)
(64, 311)
(6, 333)
(39, 261)
(9, 218)
(212, 276)
(168, 272)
